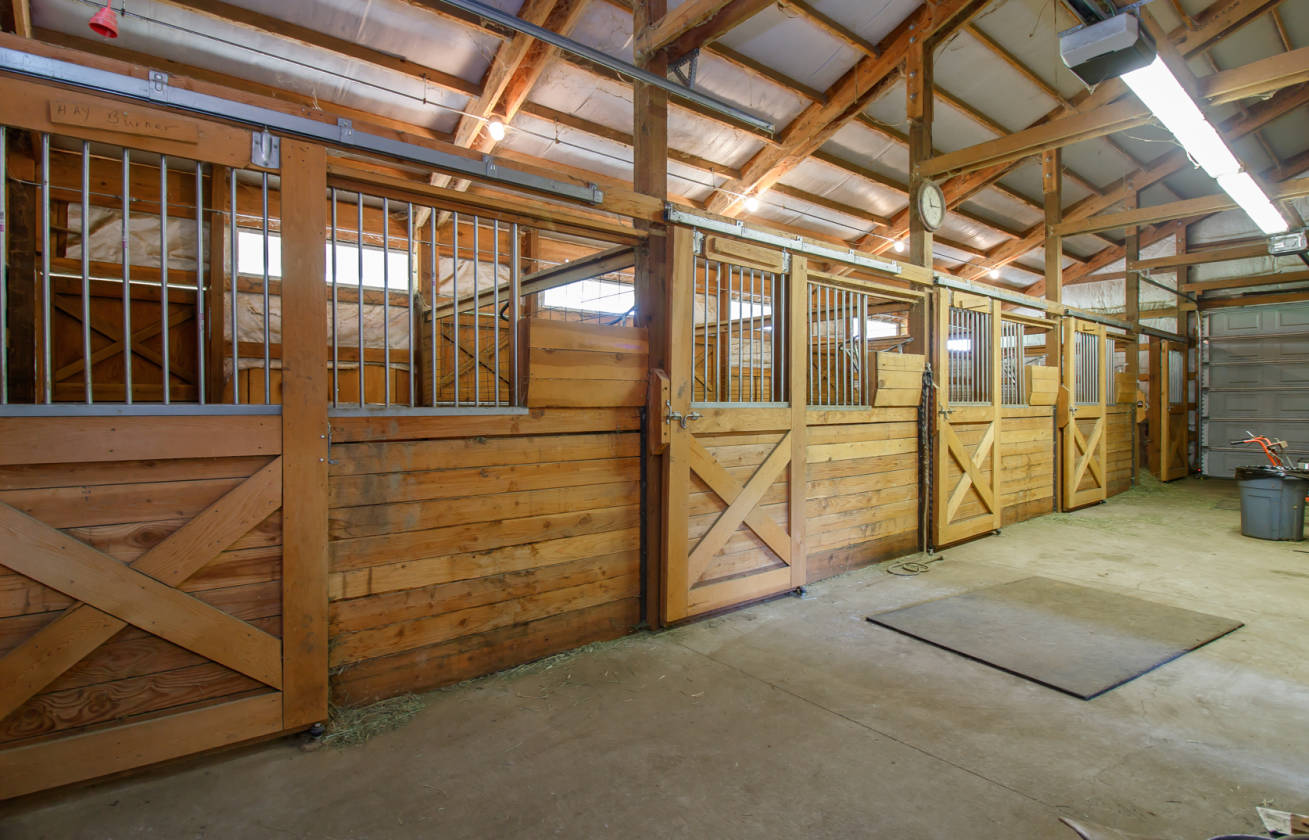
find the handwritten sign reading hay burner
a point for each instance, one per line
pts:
(123, 120)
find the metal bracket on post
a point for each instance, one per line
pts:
(157, 88)
(685, 68)
(347, 129)
(265, 150)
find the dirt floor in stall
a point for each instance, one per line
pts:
(797, 718)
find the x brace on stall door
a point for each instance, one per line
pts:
(742, 504)
(141, 593)
(1088, 449)
(972, 469)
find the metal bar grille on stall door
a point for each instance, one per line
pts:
(1087, 360)
(433, 301)
(121, 277)
(838, 346)
(1012, 377)
(738, 335)
(968, 356)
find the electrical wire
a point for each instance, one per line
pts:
(555, 139)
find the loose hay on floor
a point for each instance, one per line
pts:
(347, 726)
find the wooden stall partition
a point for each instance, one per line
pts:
(1027, 462)
(467, 543)
(579, 365)
(897, 378)
(861, 504)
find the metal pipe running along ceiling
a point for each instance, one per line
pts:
(156, 90)
(616, 64)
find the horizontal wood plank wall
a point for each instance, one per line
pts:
(862, 501)
(1027, 462)
(125, 508)
(461, 545)
(1119, 420)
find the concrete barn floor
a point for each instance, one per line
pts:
(797, 718)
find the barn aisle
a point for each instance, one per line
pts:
(798, 718)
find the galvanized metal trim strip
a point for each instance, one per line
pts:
(676, 215)
(342, 134)
(134, 410)
(378, 410)
(581, 50)
(1018, 298)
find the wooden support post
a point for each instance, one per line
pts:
(23, 223)
(653, 262)
(1052, 184)
(1132, 313)
(305, 383)
(919, 107)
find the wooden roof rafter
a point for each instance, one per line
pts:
(844, 100)
(693, 24)
(1210, 28)
(1157, 170)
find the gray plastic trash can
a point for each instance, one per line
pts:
(1272, 503)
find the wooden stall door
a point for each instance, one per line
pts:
(734, 527)
(1169, 430)
(157, 598)
(141, 592)
(1082, 415)
(966, 496)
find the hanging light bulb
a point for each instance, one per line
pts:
(899, 246)
(751, 203)
(496, 129)
(994, 274)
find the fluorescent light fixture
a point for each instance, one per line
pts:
(1245, 192)
(496, 129)
(1157, 87)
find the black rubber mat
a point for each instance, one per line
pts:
(1071, 638)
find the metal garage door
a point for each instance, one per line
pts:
(1256, 378)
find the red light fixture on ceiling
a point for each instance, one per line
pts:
(105, 22)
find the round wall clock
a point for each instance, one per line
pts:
(931, 205)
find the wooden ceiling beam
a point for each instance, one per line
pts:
(1235, 252)
(1158, 169)
(832, 27)
(622, 137)
(309, 105)
(1261, 77)
(693, 24)
(1246, 281)
(1211, 29)
(1186, 208)
(216, 9)
(861, 84)
(507, 61)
